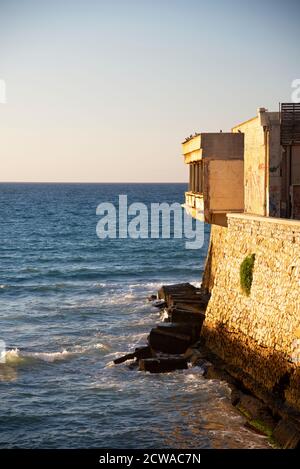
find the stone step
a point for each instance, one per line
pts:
(189, 307)
(173, 301)
(169, 342)
(140, 352)
(163, 365)
(186, 316)
(188, 329)
(165, 290)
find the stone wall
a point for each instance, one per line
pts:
(262, 163)
(259, 333)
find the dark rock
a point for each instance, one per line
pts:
(192, 307)
(191, 330)
(256, 410)
(235, 396)
(205, 365)
(152, 298)
(254, 428)
(159, 304)
(287, 434)
(194, 356)
(140, 352)
(166, 290)
(168, 341)
(186, 316)
(162, 365)
(143, 352)
(124, 358)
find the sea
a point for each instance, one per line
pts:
(70, 303)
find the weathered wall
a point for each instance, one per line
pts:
(215, 252)
(226, 185)
(262, 163)
(275, 165)
(259, 332)
(254, 165)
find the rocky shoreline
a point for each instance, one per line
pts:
(170, 342)
(176, 344)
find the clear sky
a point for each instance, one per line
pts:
(105, 91)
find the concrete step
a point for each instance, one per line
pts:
(188, 329)
(186, 316)
(140, 352)
(167, 341)
(163, 365)
(166, 290)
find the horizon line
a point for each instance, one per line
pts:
(91, 182)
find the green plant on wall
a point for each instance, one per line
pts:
(246, 273)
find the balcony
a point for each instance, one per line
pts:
(194, 205)
(216, 179)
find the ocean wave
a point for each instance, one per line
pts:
(15, 356)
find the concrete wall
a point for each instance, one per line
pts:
(259, 333)
(262, 163)
(225, 185)
(254, 166)
(222, 145)
(275, 160)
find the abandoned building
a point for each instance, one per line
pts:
(253, 169)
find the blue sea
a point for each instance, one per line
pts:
(70, 303)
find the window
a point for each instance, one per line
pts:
(196, 177)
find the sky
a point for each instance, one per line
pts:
(106, 91)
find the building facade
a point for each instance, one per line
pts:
(216, 171)
(254, 169)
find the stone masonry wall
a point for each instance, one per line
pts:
(259, 333)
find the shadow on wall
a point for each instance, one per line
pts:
(266, 373)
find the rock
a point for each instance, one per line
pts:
(168, 341)
(194, 300)
(287, 434)
(192, 307)
(235, 396)
(206, 366)
(152, 298)
(143, 352)
(140, 352)
(191, 330)
(193, 355)
(166, 290)
(254, 428)
(256, 410)
(159, 304)
(183, 315)
(124, 358)
(162, 365)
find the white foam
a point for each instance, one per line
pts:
(15, 356)
(49, 356)
(12, 356)
(164, 315)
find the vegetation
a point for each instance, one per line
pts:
(246, 273)
(258, 425)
